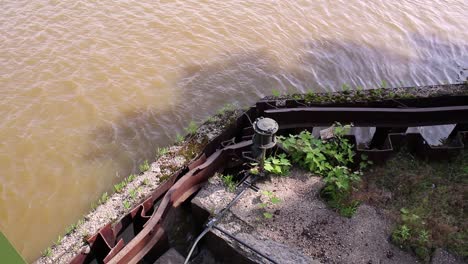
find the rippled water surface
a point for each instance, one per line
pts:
(90, 88)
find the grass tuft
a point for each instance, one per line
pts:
(144, 166)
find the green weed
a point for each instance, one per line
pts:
(145, 182)
(275, 93)
(332, 160)
(126, 204)
(383, 84)
(271, 199)
(131, 177)
(59, 240)
(192, 128)
(229, 182)
(254, 170)
(47, 252)
(226, 108)
(311, 97)
(179, 138)
(345, 88)
(296, 97)
(144, 166)
(401, 235)
(278, 165)
(134, 192)
(104, 198)
(162, 151)
(70, 229)
(120, 186)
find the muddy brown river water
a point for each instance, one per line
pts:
(89, 89)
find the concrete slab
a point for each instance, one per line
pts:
(301, 224)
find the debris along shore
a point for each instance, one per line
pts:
(186, 152)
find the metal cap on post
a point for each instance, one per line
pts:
(264, 137)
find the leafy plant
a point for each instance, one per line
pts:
(144, 166)
(332, 160)
(317, 155)
(271, 199)
(365, 162)
(278, 165)
(229, 182)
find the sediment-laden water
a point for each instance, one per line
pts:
(89, 89)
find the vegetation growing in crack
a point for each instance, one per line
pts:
(275, 93)
(145, 182)
(179, 138)
(104, 198)
(226, 108)
(144, 166)
(229, 182)
(330, 159)
(126, 204)
(270, 200)
(118, 187)
(134, 192)
(71, 228)
(161, 152)
(192, 128)
(47, 252)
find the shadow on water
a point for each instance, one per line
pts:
(242, 78)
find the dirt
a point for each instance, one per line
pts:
(302, 221)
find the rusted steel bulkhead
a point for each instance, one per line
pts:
(390, 121)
